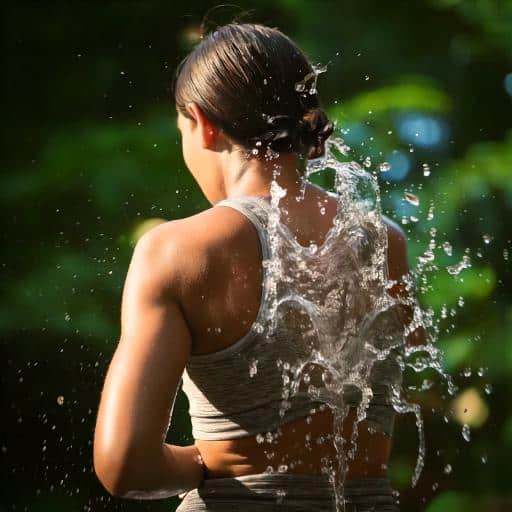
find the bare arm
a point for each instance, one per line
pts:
(399, 272)
(131, 458)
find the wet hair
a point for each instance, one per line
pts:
(254, 83)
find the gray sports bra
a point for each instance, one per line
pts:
(238, 391)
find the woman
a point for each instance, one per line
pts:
(193, 300)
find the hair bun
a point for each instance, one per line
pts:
(287, 132)
(316, 130)
(284, 132)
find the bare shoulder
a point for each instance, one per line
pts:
(188, 233)
(179, 251)
(395, 232)
(397, 249)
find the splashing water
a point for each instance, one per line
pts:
(339, 293)
(412, 198)
(460, 266)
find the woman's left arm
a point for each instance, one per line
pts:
(131, 458)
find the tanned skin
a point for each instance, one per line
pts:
(193, 287)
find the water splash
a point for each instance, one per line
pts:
(338, 292)
(456, 269)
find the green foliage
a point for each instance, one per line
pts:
(409, 93)
(93, 173)
(94, 159)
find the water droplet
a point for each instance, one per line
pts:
(280, 493)
(488, 389)
(466, 432)
(260, 438)
(253, 368)
(448, 469)
(505, 254)
(367, 162)
(447, 248)
(458, 267)
(487, 238)
(67, 317)
(384, 167)
(367, 77)
(460, 301)
(60, 400)
(483, 458)
(265, 81)
(300, 87)
(269, 469)
(427, 256)
(326, 377)
(426, 170)
(282, 468)
(412, 198)
(466, 372)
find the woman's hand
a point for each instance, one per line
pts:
(197, 475)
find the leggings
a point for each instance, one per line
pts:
(284, 492)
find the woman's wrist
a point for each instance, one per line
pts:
(189, 463)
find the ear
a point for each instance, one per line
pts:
(209, 132)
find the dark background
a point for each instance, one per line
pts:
(91, 159)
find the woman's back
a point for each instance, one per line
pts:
(249, 116)
(225, 305)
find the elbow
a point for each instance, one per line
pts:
(125, 475)
(108, 473)
(111, 469)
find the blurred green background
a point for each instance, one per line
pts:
(92, 158)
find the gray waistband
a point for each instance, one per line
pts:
(291, 492)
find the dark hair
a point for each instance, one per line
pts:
(253, 82)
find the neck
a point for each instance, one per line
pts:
(254, 176)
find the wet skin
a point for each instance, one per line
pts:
(194, 287)
(245, 455)
(301, 447)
